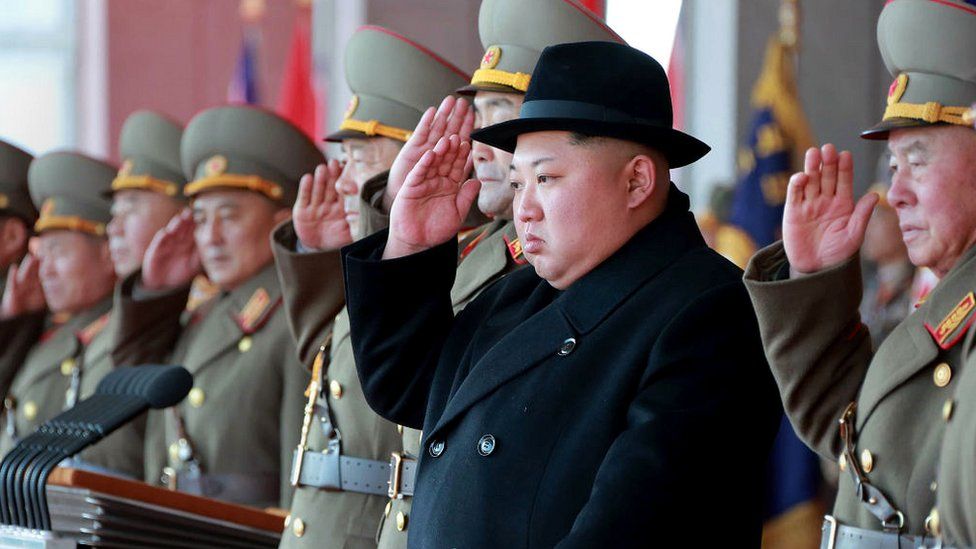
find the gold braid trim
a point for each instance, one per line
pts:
(373, 127)
(517, 80)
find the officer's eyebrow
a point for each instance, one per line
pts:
(535, 163)
(913, 147)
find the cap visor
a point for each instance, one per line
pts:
(338, 136)
(879, 132)
(472, 89)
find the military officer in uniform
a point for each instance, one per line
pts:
(73, 277)
(17, 218)
(546, 420)
(17, 212)
(232, 437)
(394, 81)
(145, 194)
(882, 415)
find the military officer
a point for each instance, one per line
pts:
(513, 33)
(544, 421)
(394, 81)
(72, 275)
(232, 438)
(17, 212)
(145, 194)
(883, 415)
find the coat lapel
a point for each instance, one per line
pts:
(491, 257)
(63, 344)
(539, 330)
(915, 343)
(223, 326)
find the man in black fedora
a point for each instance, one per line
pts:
(615, 394)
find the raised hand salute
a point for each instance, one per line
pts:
(172, 259)
(318, 216)
(822, 225)
(435, 198)
(23, 292)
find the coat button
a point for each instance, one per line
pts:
(867, 461)
(567, 347)
(401, 521)
(842, 462)
(947, 409)
(399, 429)
(436, 448)
(298, 527)
(942, 375)
(486, 445)
(288, 520)
(336, 389)
(389, 507)
(68, 366)
(932, 523)
(244, 345)
(197, 397)
(30, 410)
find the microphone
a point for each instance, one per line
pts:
(121, 396)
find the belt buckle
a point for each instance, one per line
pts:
(832, 532)
(396, 468)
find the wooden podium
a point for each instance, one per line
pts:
(89, 509)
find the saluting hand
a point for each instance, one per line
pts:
(172, 259)
(431, 207)
(318, 215)
(453, 116)
(23, 293)
(822, 225)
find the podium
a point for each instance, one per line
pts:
(93, 510)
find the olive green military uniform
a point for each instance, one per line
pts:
(394, 81)
(68, 189)
(895, 402)
(232, 437)
(149, 145)
(14, 197)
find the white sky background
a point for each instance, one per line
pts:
(648, 25)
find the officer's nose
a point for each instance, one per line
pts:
(528, 209)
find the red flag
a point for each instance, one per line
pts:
(297, 101)
(598, 7)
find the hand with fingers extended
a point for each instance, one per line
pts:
(23, 293)
(434, 201)
(318, 215)
(822, 225)
(172, 259)
(452, 117)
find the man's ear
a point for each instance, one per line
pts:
(642, 180)
(281, 215)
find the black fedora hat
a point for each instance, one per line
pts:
(601, 89)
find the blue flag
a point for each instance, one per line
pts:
(243, 86)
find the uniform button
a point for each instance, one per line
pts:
(68, 366)
(436, 448)
(174, 453)
(942, 375)
(30, 410)
(244, 345)
(947, 409)
(934, 486)
(288, 520)
(389, 507)
(867, 461)
(567, 347)
(399, 429)
(486, 445)
(298, 527)
(336, 389)
(932, 523)
(197, 397)
(842, 462)
(401, 521)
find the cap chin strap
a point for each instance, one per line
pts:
(69, 223)
(145, 182)
(517, 80)
(930, 112)
(374, 127)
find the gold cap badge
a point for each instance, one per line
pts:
(216, 165)
(491, 58)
